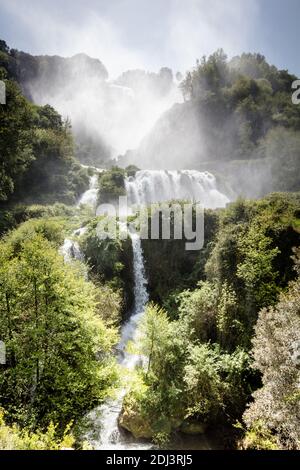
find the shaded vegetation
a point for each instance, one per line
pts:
(36, 148)
(110, 261)
(111, 185)
(276, 345)
(199, 348)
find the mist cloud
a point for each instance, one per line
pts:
(127, 34)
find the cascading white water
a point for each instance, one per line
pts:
(150, 186)
(89, 197)
(71, 249)
(105, 418)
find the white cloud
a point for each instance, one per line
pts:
(198, 27)
(53, 33)
(173, 34)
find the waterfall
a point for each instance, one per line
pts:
(106, 433)
(89, 197)
(144, 188)
(70, 248)
(150, 186)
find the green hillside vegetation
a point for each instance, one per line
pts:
(272, 418)
(200, 369)
(36, 149)
(58, 329)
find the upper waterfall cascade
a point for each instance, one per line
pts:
(151, 186)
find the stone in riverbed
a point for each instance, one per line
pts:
(135, 423)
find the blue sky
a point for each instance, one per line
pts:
(153, 33)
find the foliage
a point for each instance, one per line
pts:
(237, 119)
(58, 347)
(245, 263)
(184, 379)
(131, 170)
(276, 356)
(259, 437)
(252, 258)
(36, 148)
(16, 130)
(171, 269)
(199, 364)
(111, 184)
(197, 311)
(49, 229)
(14, 438)
(215, 383)
(12, 216)
(110, 261)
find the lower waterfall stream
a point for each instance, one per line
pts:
(105, 418)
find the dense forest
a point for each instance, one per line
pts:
(37, 151)
(220, 335)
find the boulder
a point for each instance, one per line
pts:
(133, 422)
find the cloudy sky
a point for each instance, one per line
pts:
(153, 33)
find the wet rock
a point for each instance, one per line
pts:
(133, 422)
(193, 427)
(175, 423)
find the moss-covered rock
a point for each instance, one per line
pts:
(170, 268)
(141, 423)
(131, 420)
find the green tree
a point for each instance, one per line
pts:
(16, 153)
(276, 346)
(58, 347)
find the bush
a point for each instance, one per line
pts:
(15, 438)
(110, 261)
(276, 346)
(112, 185)
(58, 347)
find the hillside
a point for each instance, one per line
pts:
(108, 116)
(36, 148)
(237, 120)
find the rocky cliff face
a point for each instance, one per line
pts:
(108, 116)
(67, 84)
(43, 75)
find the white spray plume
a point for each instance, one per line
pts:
(127, 34)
